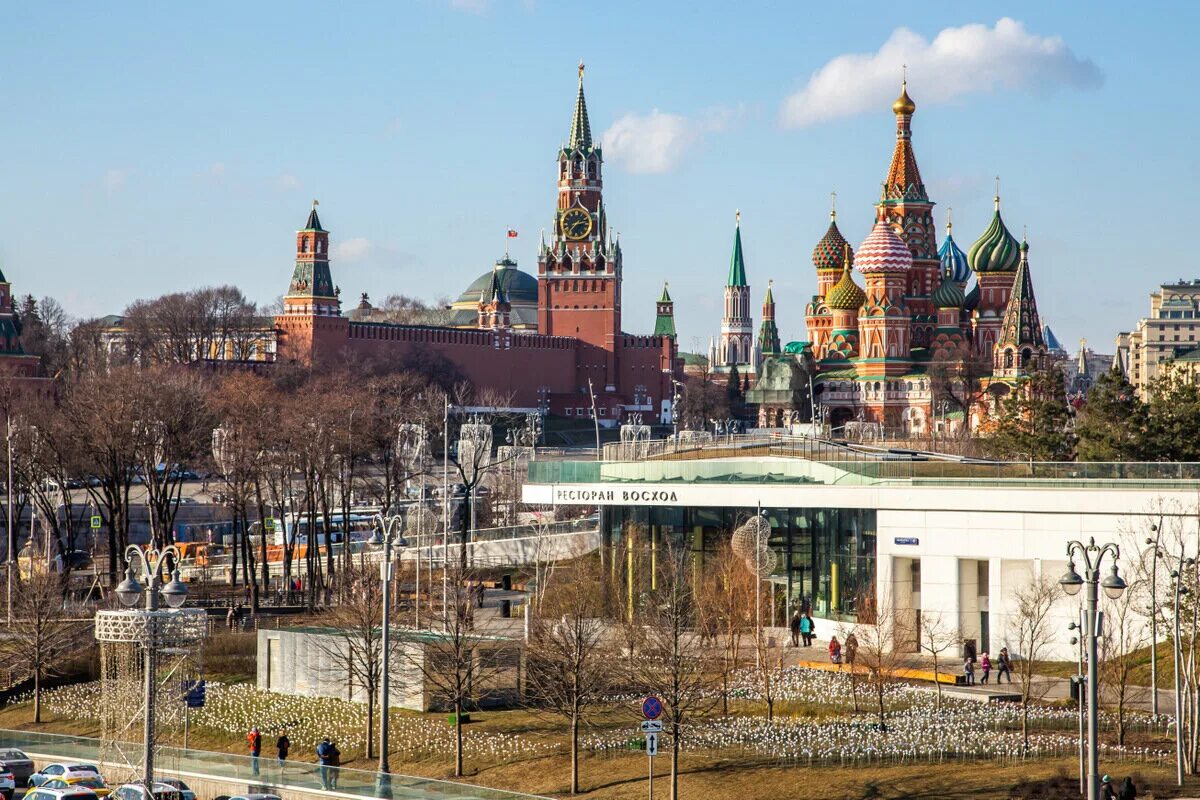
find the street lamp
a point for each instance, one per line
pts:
(1180, 590)
(386, 532)
(1072, 582)
(154, 629)
(1155, 554)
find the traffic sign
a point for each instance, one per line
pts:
(194, 693)
(652, 744)
(651, 726)
(652, 707)
(96, 522)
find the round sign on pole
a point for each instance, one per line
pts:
(652, 707)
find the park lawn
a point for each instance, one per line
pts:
(623, 774)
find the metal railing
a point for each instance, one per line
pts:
(264, 774)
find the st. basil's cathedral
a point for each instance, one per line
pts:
(924, 319)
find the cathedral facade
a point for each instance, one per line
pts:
(554, 357)
(929, 326)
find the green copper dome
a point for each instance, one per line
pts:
(948, 295)
(996, 250)
(846, 295)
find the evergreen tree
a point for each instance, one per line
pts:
(1034, 422)
(1173, 432)
(733, 393)
(1112, 425)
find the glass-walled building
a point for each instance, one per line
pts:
(824, 557)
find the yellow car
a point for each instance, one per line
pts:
(93, 782)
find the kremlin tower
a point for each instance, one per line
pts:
(736, 346)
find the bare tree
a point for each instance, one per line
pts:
(1033, 628)
(1124, 635)
(725, 609)
(768, 670)
(42, 634)
(200, 324)
(936, 638)
(458, 662)
(355, 644)
(568, 658)
(672, 663)
(877, 652)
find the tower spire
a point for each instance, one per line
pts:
(832, 206)
(581, 130)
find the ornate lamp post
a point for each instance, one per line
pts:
(154, 629)
(1071, 582)
(387, 531)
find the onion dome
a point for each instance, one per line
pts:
(904, 103)
(845, 295)
(996, 250)
(953, 259)
(972, 301)
(883, 251)
(948, 295)
(830, 253)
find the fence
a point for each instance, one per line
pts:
(264, 774)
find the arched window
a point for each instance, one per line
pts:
(304, 245)
(1008, 359)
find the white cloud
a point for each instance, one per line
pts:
(216, 169)
(287, 182)
(351, 250)
(959, 61)
(657, 142)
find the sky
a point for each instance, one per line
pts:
(154, 147)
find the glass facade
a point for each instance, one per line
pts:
(825, 557)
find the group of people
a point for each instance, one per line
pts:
(1003, 664)
(1127, 791)
(804, 629)
(327, 754)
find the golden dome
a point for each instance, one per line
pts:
(904, 103)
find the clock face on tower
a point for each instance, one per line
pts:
(576, 223)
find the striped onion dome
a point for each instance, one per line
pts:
(954, 260)
(972, 301)
(883, 251)
(996, 250)
(949, 294)
(845, 295)
(830, 252)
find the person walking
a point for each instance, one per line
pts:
(985, 666)
(282, 745)
(1005, 666)
(851, 648)
(1127, 791)
(254, 739)
(1107, 792)
(969, 671)
(335, 761)
(795, 628)
(229, 617)
(325, 751)
(835, 650)
(806, 630)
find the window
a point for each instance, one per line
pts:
(600, 412)
(568, 412)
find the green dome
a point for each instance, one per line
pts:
(948, 295)
(521, 287)
(996, 250)
(845, 295)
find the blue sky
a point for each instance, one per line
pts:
(149, 147)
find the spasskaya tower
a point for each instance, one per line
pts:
(579, 269)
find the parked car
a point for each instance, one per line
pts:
(185, 791)
(8, 786)
(135, 791)
(93, 782)
(61, 769)
(70, 793)
(254, 797)
(19, 764)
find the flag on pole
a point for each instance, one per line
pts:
(512, 234)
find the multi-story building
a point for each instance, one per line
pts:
(1168, 334)
(579, 349)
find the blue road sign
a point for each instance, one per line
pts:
(652, 707)
(194, 693)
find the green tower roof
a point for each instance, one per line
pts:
(737, 265)
(581, 131)
(664, 322)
